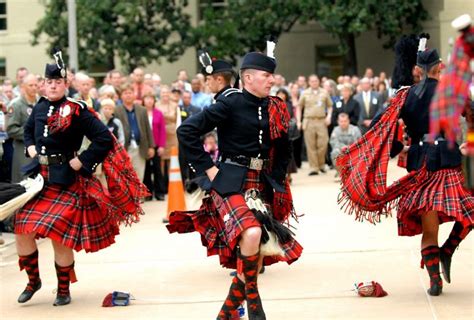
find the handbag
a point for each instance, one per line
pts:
(293, 132)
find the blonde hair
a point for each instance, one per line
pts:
(107, 102)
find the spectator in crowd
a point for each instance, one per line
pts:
(184, 78)
(153, 176)
(383, 92)
(156, 84)
(116, 80)
(93, 92)
(383, 78)
(293, 132)
(107, 92)
(346, 105)
(330, 86)
(369, 73)
(279, 84)
(340, 79)
(139, 86)
(355, 83)
(7, 93)
(147, 80)
(210, 145)
(41, 86)
(20, 74)
(19, 110)
(71, 80)
(83, 86)
(369, 102)
(170, 110)
(199, 99)
(186, 108)
(315, 102)
(176, 95)
(297, 143)
(138, 136)
(343, 135)
(115, 126)
(301, 82)
(6, 146)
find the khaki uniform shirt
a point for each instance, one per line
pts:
(315, 103)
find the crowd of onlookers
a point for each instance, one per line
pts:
(143, 114)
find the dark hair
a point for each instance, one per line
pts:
(287, 95)
(126, 86)
(227, 75)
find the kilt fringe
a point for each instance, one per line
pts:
(220, 221)
(85, 215)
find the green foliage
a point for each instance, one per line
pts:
(137, 31)
(231, 31)
(389, 17)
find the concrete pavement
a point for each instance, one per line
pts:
(172, 279)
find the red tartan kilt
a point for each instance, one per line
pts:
(440, 191)
(69, 216)
(220, 221)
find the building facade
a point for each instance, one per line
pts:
(317, 51)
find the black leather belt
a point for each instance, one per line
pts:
(249, 162)
(54, 158)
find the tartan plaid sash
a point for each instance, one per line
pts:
(452, 93)
(279, 116)
(124, 188)
(363, 167)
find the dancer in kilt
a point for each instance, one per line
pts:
(431, 193)
(73, 209)
(241, 220)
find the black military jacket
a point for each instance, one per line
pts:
(67, 142)
(223, 91)
(416, 116)
(242, 122)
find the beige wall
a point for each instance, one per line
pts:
(451, 10)
(15, 41)
(295, 51)
(168, 71)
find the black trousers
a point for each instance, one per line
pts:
(154, 178)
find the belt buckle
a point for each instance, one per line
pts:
(256, 164)
(43, 160)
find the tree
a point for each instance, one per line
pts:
(242, 25)
(346, 19)
(137, 32)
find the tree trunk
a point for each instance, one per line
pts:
(110, 60)
(350, 56)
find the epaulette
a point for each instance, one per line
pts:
(276, 98)
(228, 94)
(230, 91)
(402, 88)
(82, 103)
(42, 99)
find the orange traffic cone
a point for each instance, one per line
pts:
(176, 200)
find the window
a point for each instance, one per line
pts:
(3, 15)
(329, 61)
(3, 67)
(216, 5)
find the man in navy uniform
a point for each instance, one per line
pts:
(218, 73)
(250, 177)
(53, 134)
